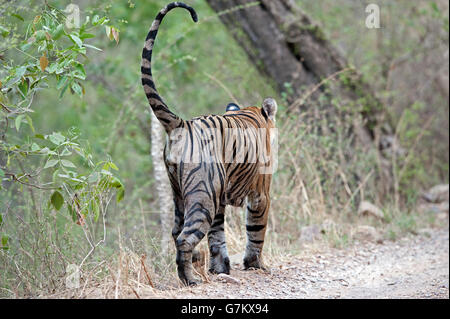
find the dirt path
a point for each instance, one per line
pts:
(414, 267)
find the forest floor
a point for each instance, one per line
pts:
(416, 266)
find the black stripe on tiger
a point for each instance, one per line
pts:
(255, 228)
(257, 242)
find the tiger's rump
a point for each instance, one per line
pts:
(226, 148)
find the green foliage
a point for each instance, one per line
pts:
(57, 200)
(51, 56)
(5, 240)
(4, 237)
(49, 175)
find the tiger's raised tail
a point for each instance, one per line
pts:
(168, 119)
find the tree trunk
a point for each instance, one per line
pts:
(286, 46)
(163, 189)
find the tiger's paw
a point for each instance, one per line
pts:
(254, 262)
(220, 265)
(191, 282)
(186, 277)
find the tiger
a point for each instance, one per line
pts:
(203, 182)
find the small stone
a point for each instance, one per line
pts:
(367, 233)
(437, 194)
(425, 232)
(228, 279)
(433, 208)
(367, 208)
(310, 233)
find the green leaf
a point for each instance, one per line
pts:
(3, 31)
(96, 20)
(30, 122)
(51, 163)
(80, 68)
(113, 166)
(2, 173)
(17, 16)
(63, 90)
(18, 74)
(55, 174)
(21, 71)
(72, 212)
(56, 138)
(35, 147)
(92, 47)
(96, 210)
(77, 89)
(26, 46)
(57, 200)
(18, 121)
(52, 68)
(61, 82)
(59, 31)
(24, 86)
(120, 194)
(67, 163)
(65, 152)
(116, 183)
(40, 35)
(1, 220)
(86, 36)
(47, 151)
(79, 72)
(76, 40)
(5, 240)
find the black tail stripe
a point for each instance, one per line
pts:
(147, 71)
(149, 83)
(155, 96)
(151, 35)
(147, 54)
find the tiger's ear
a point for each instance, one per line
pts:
(270, 106)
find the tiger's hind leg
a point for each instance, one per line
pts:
(257, 216)
(178, 226)
(198, 218)
(179, 217)
(219, 261)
